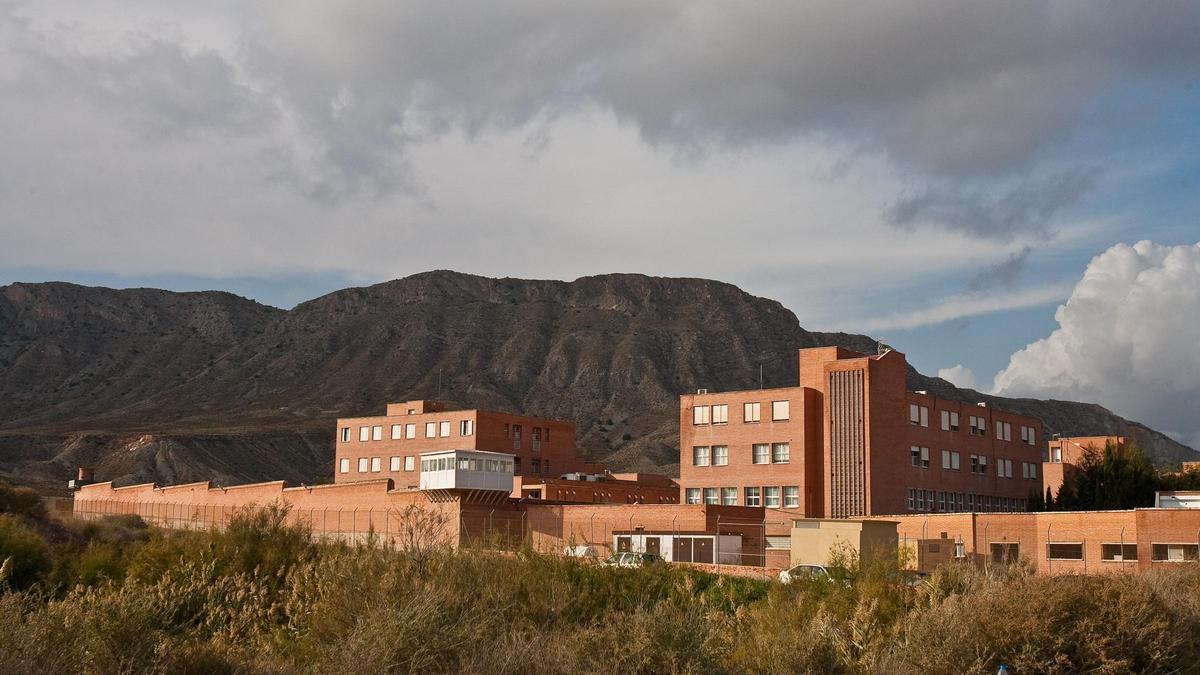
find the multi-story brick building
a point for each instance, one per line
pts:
(851, 440)
(388, 446)
(1063, 456)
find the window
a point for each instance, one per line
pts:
(516, 465)
(345, 434)
(364, 433)
(516, 436)
(779, 542)
(729, 496)
(978, 464)
(410, 431)
(466, 427)
(950, 460)
(753, 496)
(1003, 431)
(394, 464)
(720, 455)
(344, 465)
(942, 500)
(700, 455)
(536, 465)
(431, 430)
(1004, 553)
(1056, 455)
(949, 421)
(1172, 552)
(397, 431)
(444, 427)
(751, 412)
(408, 463)
(1028, 435)
(692, 495)
(720, 414)
(710, 495)
(700, 415)
(375, 465)
(920, 500)
(771, 497)
(535, 437)
(781, 453)
(978, 426)
(377, 433)
(1004, 468)
(918, 415)
(1118, 552)
(919, 457)
(791, 496)
(363, 464)
(911, 501)
(780, 411)
(1071, 551)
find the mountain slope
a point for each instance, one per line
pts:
(611, 352)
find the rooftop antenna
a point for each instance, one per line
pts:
(439, 394)
(760, 380)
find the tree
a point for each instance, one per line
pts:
(1119, 477)
(1049, 499)
(1036, 501)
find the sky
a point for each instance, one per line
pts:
(1004, 191)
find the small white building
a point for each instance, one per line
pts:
(725, 549)
(1181, 499)
(449, 472)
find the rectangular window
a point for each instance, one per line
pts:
(753, 496)
(1033, 469)
(536, 465)
(710, 495)
(771, 496)
(1003, 431)
(1118, 552)
(364, 464)
(914, 414)
(791, 496)
(700, 455)
(431, 430)
(375, 465)
(720, 455)
(954, 460)
(408, 463)
(1005, 553)
(945, 459)
(914, 455)
(466, 427)
(781, 453)
(410, 431)
(720, 414)
(516, 436)
(1172, 552)
(700, 415)
(397, 431)
(1065, 551)
(394, 464)
(729, 496)
(953, 421)
(345, 434)
(364, 433)
(444, 427)
(978, 426)
(762, 453)
(924, 416)
(377, 433)
(751, 412)
(692, 495)
(942, 500)
(911, 501)
(780, 411)
(344, 465)
(920, 500)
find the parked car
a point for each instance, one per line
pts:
(630, 559)
(581, 551)
(814, 573)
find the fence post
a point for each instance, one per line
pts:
(717, 545)
(1049, 560)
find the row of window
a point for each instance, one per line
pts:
(918, 416)
(751, 413)
(951, 461)
(375, 464)
(771, 496)
(760, 453)
(920, 499)
(467, 464)
(409, 431)
(1112, 552)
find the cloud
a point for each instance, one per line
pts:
(958, 375)
(1003, 274)
(1127, 338)
(1028, 208)
(963, 306)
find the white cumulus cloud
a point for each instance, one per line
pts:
(1128, 338)
(958, 375)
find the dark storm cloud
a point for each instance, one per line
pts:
(1026, 209)
(1003, 274)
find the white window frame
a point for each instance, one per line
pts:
(729, 496)
(752, 412)
(720, 458)
(778, 457)
(466, 427)
(444, 429)
(766, 456)
(410, 431)
(700, 455)
(377, 432)
(720, 413)
(364, 465)
(781, 411)
(791, 496)
(364, 434)
(397, 432)
(753, 498)
(691, 496)
(344, 465)
(701, 415)
(376, 465)
(772, 493)
(914, 415)
(345, 434)
(409, 463)
(431, 430)
(394, 463)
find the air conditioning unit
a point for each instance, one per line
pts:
(700, 392)
(982, 404)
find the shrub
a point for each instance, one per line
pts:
(20, 501)
(24, 555)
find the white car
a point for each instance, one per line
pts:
(810, 572)
(629, 559)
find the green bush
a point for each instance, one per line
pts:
(24, 554)
(21, 501)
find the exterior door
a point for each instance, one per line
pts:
(702, 550)
(624, 544)
(683, 549)
(652, 545)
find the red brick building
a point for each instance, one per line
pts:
(1063, 456)
(388, 446)
(850, 441)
